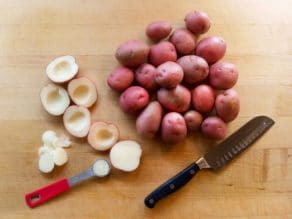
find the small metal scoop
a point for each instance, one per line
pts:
(100, 168)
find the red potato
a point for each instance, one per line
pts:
(132, 53)
(173, 128)
(158, 30)
(162, 52)
(184, 41)
(169, 74)
(193, 120)
(211, 49)
(223, 75)
(214, 127)
(134, 99)
(177, 99)
(227, 105)
(120, 78)
(203, 98)
(197, 22)
(148, 122)
(195, 68)
(145, 76)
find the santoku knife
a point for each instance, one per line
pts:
(215, 158)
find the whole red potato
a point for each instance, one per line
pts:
(223, 75)
(213, 127)
(203, 98)
(132, 53)
(120, 78)
(195, 68)
(162, 52)
(198, 22)
(173, 128)
(169, 74)
(227, 105)
(177, 99)
(158, 30)
(134, 99)
(193, 120)
(211, 49)
(145, 76)
(184, 41)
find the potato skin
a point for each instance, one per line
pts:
(134, 99)
(227, 105)
(195, 68)
(203, 98)
(184, 41)
(177, 99)
(120, 78)
(193, 120)
(158, 30)
(198, 22)
(213, 127)
(169, 74)
(145, 76)
(162, 52)
(173, 128)
(223, 75)
(132, 53)
(148, 122)
(211, 49)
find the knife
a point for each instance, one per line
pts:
(215, 158)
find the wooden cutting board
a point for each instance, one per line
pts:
(256, 185)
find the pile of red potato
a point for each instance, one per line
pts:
(179, 84)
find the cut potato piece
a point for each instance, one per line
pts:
(102, 136)
(60, 156)
(49, 137)
(55, 99)
(44, 149)
(76, 120)
(62, 141)
(101, 168)
(46, 163)
(82, 92)
(62, 69)
(125, 155)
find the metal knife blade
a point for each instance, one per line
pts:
(237, 142)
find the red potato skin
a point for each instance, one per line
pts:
(120, 78)
(158, 30)
(203, 98)
(134, 99)
(195, 68)
(213, 127)
(211, 49)
(177, 99)
(162, 52)
(184, 41)
(193, 120)
(223, 75)
(132, 53)
(227, 105)
(145, 76)
(169, 74)
(173, 128)
(197, 22)
(148, 122)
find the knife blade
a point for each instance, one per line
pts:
(215, 158)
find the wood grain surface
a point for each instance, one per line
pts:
(256, 185)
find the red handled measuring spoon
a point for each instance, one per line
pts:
(100, 168)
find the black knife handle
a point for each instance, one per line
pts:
(171, 185)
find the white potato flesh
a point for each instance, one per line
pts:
(101, 168)
(62, 69)
(46, 162)
(62, 141)
(49, 137)
(60, 156)
(44, 149)
(125, 155)
(54, 99)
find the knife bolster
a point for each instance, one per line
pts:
(202, 163)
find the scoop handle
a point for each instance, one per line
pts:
(46, 193)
